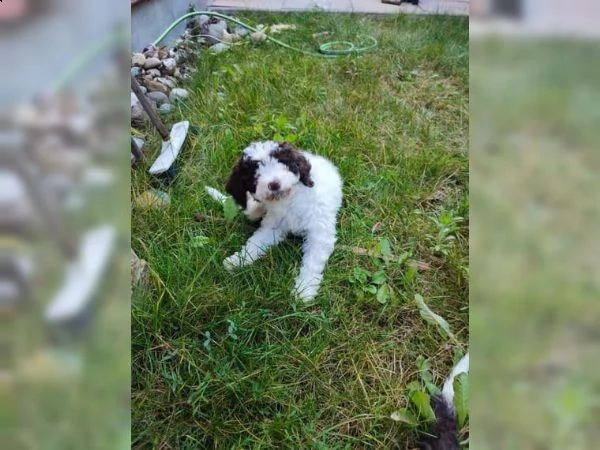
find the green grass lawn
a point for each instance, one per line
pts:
(229, 360)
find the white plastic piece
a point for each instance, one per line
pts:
(216, 195)
(83, 275)
(171, 148)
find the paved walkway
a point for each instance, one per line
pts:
(453, 7)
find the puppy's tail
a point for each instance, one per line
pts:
(215, 195)
(448, 389)
(444, 435)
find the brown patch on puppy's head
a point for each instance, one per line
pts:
(295, 161)
(242, 179)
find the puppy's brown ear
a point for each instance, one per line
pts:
(289, 155)
(304, 171)
(241, 180)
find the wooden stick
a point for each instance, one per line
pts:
(139, 155)
(135, 87)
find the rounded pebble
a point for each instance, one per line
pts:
(152, 63)
(178, 93)
(158, 97)
(169, 65)
(137, 59)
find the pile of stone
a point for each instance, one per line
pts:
(160, 70)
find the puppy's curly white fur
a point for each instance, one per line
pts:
(293, 192)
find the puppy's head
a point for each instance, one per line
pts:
(269, 171)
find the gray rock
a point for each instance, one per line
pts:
(166, 82)
(144, 89)
(136, 71)
(152, 63)
(165, 108)
(169, 65)
(202, 19)
(222, 24)
(178, 93)
(158, 97)
(241, 31)
(155, 86)
(153, 73)
(162, 53)
(219, 47)
(174, 54)
(258, 36)
(137, 59)
(228, 38)
(215, 32)
(150, 51)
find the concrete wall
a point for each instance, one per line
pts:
(150, 18)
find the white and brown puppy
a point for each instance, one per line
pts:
(293, 192)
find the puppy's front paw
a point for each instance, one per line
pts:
(233, 261)
(306, 290)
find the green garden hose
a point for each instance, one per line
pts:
(328, 50)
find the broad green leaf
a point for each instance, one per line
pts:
(361, 275)
(403, 415)
(461, 397)
(230, 209)
(432, 388)
(422, 363)
(433, 318)
(379, 277)
(383, 294)
(423, 403)
(384, 248)
(371, 288)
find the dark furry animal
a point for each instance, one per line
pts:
(444, 433)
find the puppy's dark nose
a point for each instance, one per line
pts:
(274, 185)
